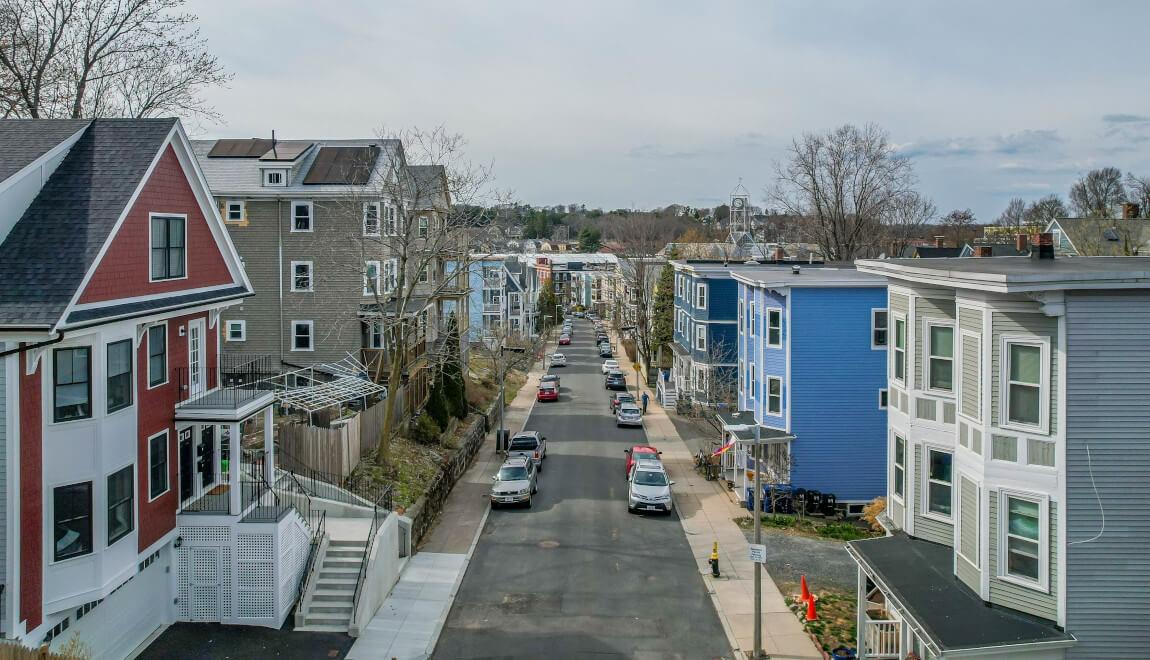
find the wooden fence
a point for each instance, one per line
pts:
(14, 651)
(334, 451)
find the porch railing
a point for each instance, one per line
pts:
(380, 510)
(237, 379)
(882, 639)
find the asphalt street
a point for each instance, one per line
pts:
(576, 575)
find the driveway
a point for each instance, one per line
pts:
(214, 641)
(576, 575)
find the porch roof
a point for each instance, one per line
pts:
(745, 417)
(917, 576)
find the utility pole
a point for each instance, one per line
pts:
(502, 393)
(758, 541)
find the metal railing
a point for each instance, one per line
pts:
(356, 489)
(237, 380)
(380, 510)
(318, 523)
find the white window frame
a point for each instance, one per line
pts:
(390, 275)
(679, 322)
(874, 328)
(927, 355)
(167, 461)
(700, 336)
(228, 211)
(378, 206)
(883, 393)
(767, 409)
(423, 277)
(742, 311)
(311, 335)
(310, 276)
(895, 350)
(148, 355)
(751, 320)
(925, 482)
(267, 175)
(423, 226)
(700, 295)
(241, 324)
(973, 561)
(1043, 344)
(296, 203)
(897, 467)
(390, 222)
(1043, 501)
(374, 330)
(778, 311)
(367, 266)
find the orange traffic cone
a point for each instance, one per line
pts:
(806, 595)
(812, 615)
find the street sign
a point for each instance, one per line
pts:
(635, 366)
(757, 553)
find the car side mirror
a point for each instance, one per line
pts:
(660, 453)
(626, 451)
(495, 477)
(672, 483)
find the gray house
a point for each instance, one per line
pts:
(1017, 430)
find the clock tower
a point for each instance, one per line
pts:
(740, 221)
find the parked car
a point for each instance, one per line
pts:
(610, 365)
(620, 397)
(615, 380)
(529, 444)
(640, 453)
(515, 483)
(548, 392)
(629, 415)
(605, 351)
(550, 378)
(648, 488)
(564, 340)
(579, 315)
(558, 360)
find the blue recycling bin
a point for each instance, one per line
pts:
(784, 496)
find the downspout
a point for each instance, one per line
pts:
(280, 269)
(27, 347)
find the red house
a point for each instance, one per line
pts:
(125, 459)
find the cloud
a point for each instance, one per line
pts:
(659, 152)
(1120, 118)
(1026, 142)
(944, 148)
(1029, 141)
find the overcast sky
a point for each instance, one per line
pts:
(642, 104)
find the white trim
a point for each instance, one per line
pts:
(1043, 501)
(50, 519)
(228, 211)
(311, 336)
(310, 277)
(243, 326)
(895, 350)
(151, 216)
(265, 177)
(295, 203)
(767, 327)
(108, 542)
(700, 295)
(926, 480)
(977, 523)
(1043, 344)
(898, 497)
(874, 312)
(148, 355)
(883, 391)
(378, 219)
(927, 356)
(367, 290)
(168, 462)
(115, 302)
(700, 337)
(767, 398)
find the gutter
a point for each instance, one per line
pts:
(27, 347)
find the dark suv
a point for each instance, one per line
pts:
(615, 381)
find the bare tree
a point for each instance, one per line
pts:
(1138, 191)
(1013, 217)
(960, 225)
(844, 181)
(1041, 211)
(103, 58)
(642, 236)
(905, 218)
(1098, 194)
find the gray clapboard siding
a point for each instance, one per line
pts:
(1107, 412)
(925, 528)
(927, 308)
(971, 377)
(1026, 325)
(899, 304)
(1014, 596)
(968, 531)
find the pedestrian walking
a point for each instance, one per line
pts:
(645, 399)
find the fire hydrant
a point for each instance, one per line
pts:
(715, 559)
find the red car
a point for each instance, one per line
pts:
(638, 452)
(564, 340)
(548, 392)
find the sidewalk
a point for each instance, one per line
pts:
(707, 513)
(408, 623)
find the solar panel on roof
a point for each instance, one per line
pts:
(1110, 234)
(286, 151)
(249, 148)
(342, 165)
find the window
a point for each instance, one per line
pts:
(900, 350)
(71, 521)
(739, 319)
(1024, 529)
(301, 336)
(301, 216)
(370, 278)
(119, 375)
(72, 384)
(371, 218)
(701, 337)
(275, 178)
(701, 296)
(372, 333)
(158, 465)
(899, 466)
(237, 331)
(883, 399)
(234, 211)
(389, 220)
(751, 318)
(1024, 384)
(940, 367)
(301, 276)
(774, 395)
(424, 226)
(169, 256)
(390, 274)
(422, 279)
(774, 328)
(157, 355)
(121, 514)
(878, 324)
(679, 323)
(939, 482)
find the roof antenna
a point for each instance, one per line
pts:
(274, 154)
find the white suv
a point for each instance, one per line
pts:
(610, 365)
(648, 488)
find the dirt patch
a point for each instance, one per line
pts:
(835, 625)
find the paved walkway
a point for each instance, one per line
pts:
(707, 512)
(408, 623)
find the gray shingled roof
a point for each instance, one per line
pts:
(45, 256)
(430, 182)
(25, 140)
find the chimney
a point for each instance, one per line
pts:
(1130, 210)
(780, 254)
(1043, 246)
(940, 241)
(1020, 242)
(982, 250)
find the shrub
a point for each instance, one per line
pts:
(426, 430)
(872, 511)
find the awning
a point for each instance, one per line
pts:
(767, 434)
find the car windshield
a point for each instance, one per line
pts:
(517, 473)
(524, 443)
(627, 398)
(650, 478)
(629, 410)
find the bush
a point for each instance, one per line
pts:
(872, 511)
(841, 531)
(426, 431)
(437, 406)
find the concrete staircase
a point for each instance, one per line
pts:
(329, 605)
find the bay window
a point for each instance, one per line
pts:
(72, 384)
(1024, 391)
(900, 350)
(1023, 532)
(899, 466)
(119, 375)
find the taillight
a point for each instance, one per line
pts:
(536, 454)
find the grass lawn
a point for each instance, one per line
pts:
(840, 530)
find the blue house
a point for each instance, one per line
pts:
(705, 342)
(812, 350)
(495, 297)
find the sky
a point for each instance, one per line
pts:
(640, 104)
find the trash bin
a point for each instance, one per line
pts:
(828, 507)
(502, 439)
(814, 503)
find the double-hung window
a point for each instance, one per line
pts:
(301, 336)
(940, 363)
(1024, 388)
(751, 318)
(373, 333)
(878, 324)
(237, 330)
(701, 295)
(169, 253)
(71, 521)
(234, 210)
(739, 319)
(899, 356)
(899, 467)
(774, 395)
(72, 384)
(301, 216)
(157, 355)
(119, 375)
(157, 465)
(1024, 531)
(371, 278)
(371, 218)
(423, 278)
(121, 514)
(301, 276)
(389, 224)
(390, 275)
(774, 328)
(424, 226)
(701, 337)
(940, 482)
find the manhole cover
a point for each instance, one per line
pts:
(547, 545)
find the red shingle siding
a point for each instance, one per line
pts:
(124, 271)
(31, 496)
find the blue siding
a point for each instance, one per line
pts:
(773, 360)
(840, 432)
(722, 299)
(722, 344)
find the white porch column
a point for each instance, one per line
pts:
(269, 445)
(235, 497)
(860, 613)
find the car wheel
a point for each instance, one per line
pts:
(529, 502)
(535, 489)
(629, 509)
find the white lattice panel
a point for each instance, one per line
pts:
(255, 547)
(257, 604)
